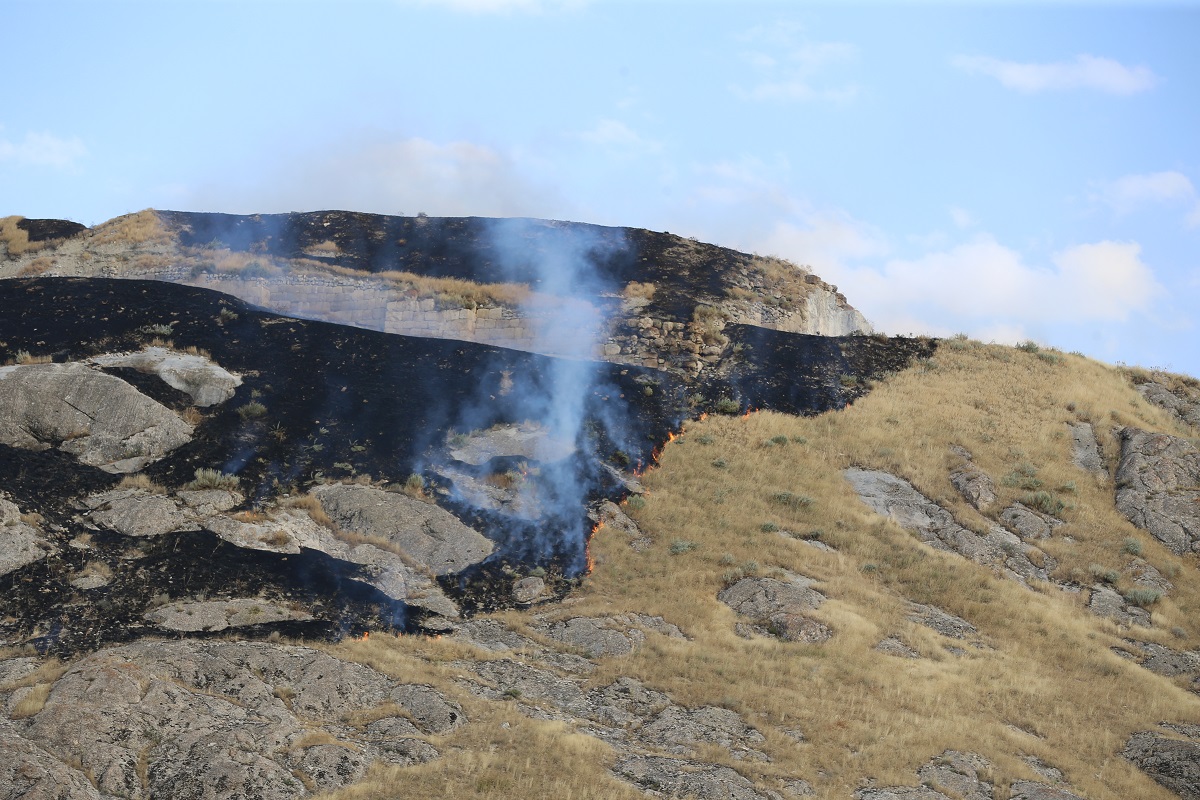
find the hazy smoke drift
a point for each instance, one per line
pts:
(562, 270)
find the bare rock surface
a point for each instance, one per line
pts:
(425, 532)
(218, 615)
(679, 730)
(1085, 450)
(1172, 762)
(527, 441)
(595, 637)
(676, 777)
(1163, 660)
(20, 542)
(290, 531)
(1158, 487)
(528, 590)
(491, 635)
(777, 607)
(896, 498)
(205, 381)
(99, 419)
(27, 770)
(214, 720)
(1145, 575)
(1184, 402)
(895, 646)
(137, 512)
(1027, 523)
(941, 621)
(1105, 602)
(956, 775)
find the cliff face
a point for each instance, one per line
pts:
(406, 276)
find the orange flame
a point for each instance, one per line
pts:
(749, 411)
(703, 416)
(591, 560)
(366, 635)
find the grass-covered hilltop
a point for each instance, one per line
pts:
(380, 507)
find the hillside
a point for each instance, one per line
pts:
(249, 554)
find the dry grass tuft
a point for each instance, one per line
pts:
(141, 482)
(142, 227)
(313, 507)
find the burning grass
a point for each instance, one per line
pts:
(1047, 684)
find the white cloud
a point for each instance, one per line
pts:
(43, 150)
(402, 176)
(618, 138)
(788, 67)
(1085, 72)
(1132, 193)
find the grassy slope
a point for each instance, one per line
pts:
(1048, 685)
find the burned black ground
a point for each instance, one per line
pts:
(343, 403)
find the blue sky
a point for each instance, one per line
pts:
(1010, 171)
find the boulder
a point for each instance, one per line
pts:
(528, 590)
(1173, 763)
(99, 419)
(682, 730)
(204, 380)
(897, 499)
(894, 646)
(20, 542)
(776, 607)
(1158, 487)
(959, 774)
(426, 533)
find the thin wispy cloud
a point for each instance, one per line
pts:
(790, 67)
(618, 138)
(40, 149)
(1084, 72)
(1131, 193)
(500, 6)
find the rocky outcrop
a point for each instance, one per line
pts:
(962, 776)
(943, 622)
(1158, 487)
(99, 419)
(205, 381)
(1173, 762)
(1106, 602)
(677, 777)
(1164, 661)
(896, 498)
(20, 542)
(424, 532)
(973, 483)
(1085, 450)
(1183, 401)
(1027, 523)
(593, 637)
(213, 720)
(777, 607)
(895, 646)
(608, 516)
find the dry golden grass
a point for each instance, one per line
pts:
(639, 290)
(141, 482)
(1047, 684)
(35, 267)
(313, 507)
(142, 227)
(13, 237)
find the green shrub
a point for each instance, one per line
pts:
(227, 315)
(793, 501)
(1104, 574)
(636, 502)
(1023, 476)
(1143, 598)
(680, 546)
(212, 479)
(727, 405)
(720, 463)
(252, 410)
(1132, 546)
(705, 439)
(1029, 346)
(1045, 502)
(768, 527)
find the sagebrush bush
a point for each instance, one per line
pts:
(212, 479)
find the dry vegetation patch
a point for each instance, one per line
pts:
(1042, 679)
